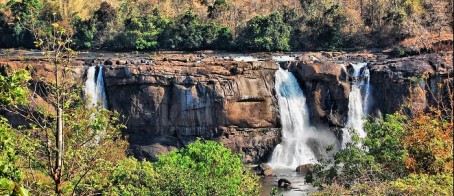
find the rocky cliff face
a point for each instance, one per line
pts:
(326, 88)
(171, 102)
(393, 80)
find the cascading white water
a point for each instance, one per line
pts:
(357, 104)
(94, 87)
(301, 142)
(100, 91)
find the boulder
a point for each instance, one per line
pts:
(305, 168)
(284, 183)
(264, 169)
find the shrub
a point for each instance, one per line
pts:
(380, 156)
(202, 168)
(205, 168)
(132, 177)
(429, 141)
(423, 184)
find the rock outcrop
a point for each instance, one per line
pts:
(326, 88)
(229, 101)
(393, 80)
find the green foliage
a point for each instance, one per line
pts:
(383, 141)
(423, 184)
(141, 33)
(8, 187)
(266, 33)
(12, 88)
(84, 36)
(429, 141)
(11, 93)
(185, 33)
(325, 24)
(8, 169)
(132, 177)
(92, 136)
(216, 37)
(204, 168)
(24, 12)
(379, 156)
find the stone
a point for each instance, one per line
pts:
(284, 183)
(121, 62)
(267, 172)
(109, 62)
(264, 169)
(305, 168)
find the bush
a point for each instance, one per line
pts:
(423, 184)
(429, 141)
(132, 177)
(380, 156)
(202, 168)
(266, 33)
(205, 168)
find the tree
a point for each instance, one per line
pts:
(185, 33)
(266, 33)
(141, 33)
(66, 143)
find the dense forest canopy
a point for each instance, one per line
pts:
(408, 25)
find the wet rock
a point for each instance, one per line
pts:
(121, 62)
(305, 168)
(264, 169)
(109, 62)
(284, 183)
(326, 89)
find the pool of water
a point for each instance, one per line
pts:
(299, 187)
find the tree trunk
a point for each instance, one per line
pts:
(59, 165)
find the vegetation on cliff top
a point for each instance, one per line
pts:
(411, 25)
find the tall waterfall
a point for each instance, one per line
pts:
(301, 142)
(358, 102)
(94, 87)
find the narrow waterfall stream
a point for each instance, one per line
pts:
(94, 87)
(358, 102)
(301, 142)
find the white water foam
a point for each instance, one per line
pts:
(94, 88)
(357, 102)
(301, 142)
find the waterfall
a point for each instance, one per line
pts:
(301, 142)
(100, 91)
(94, 87)
(358, 101)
